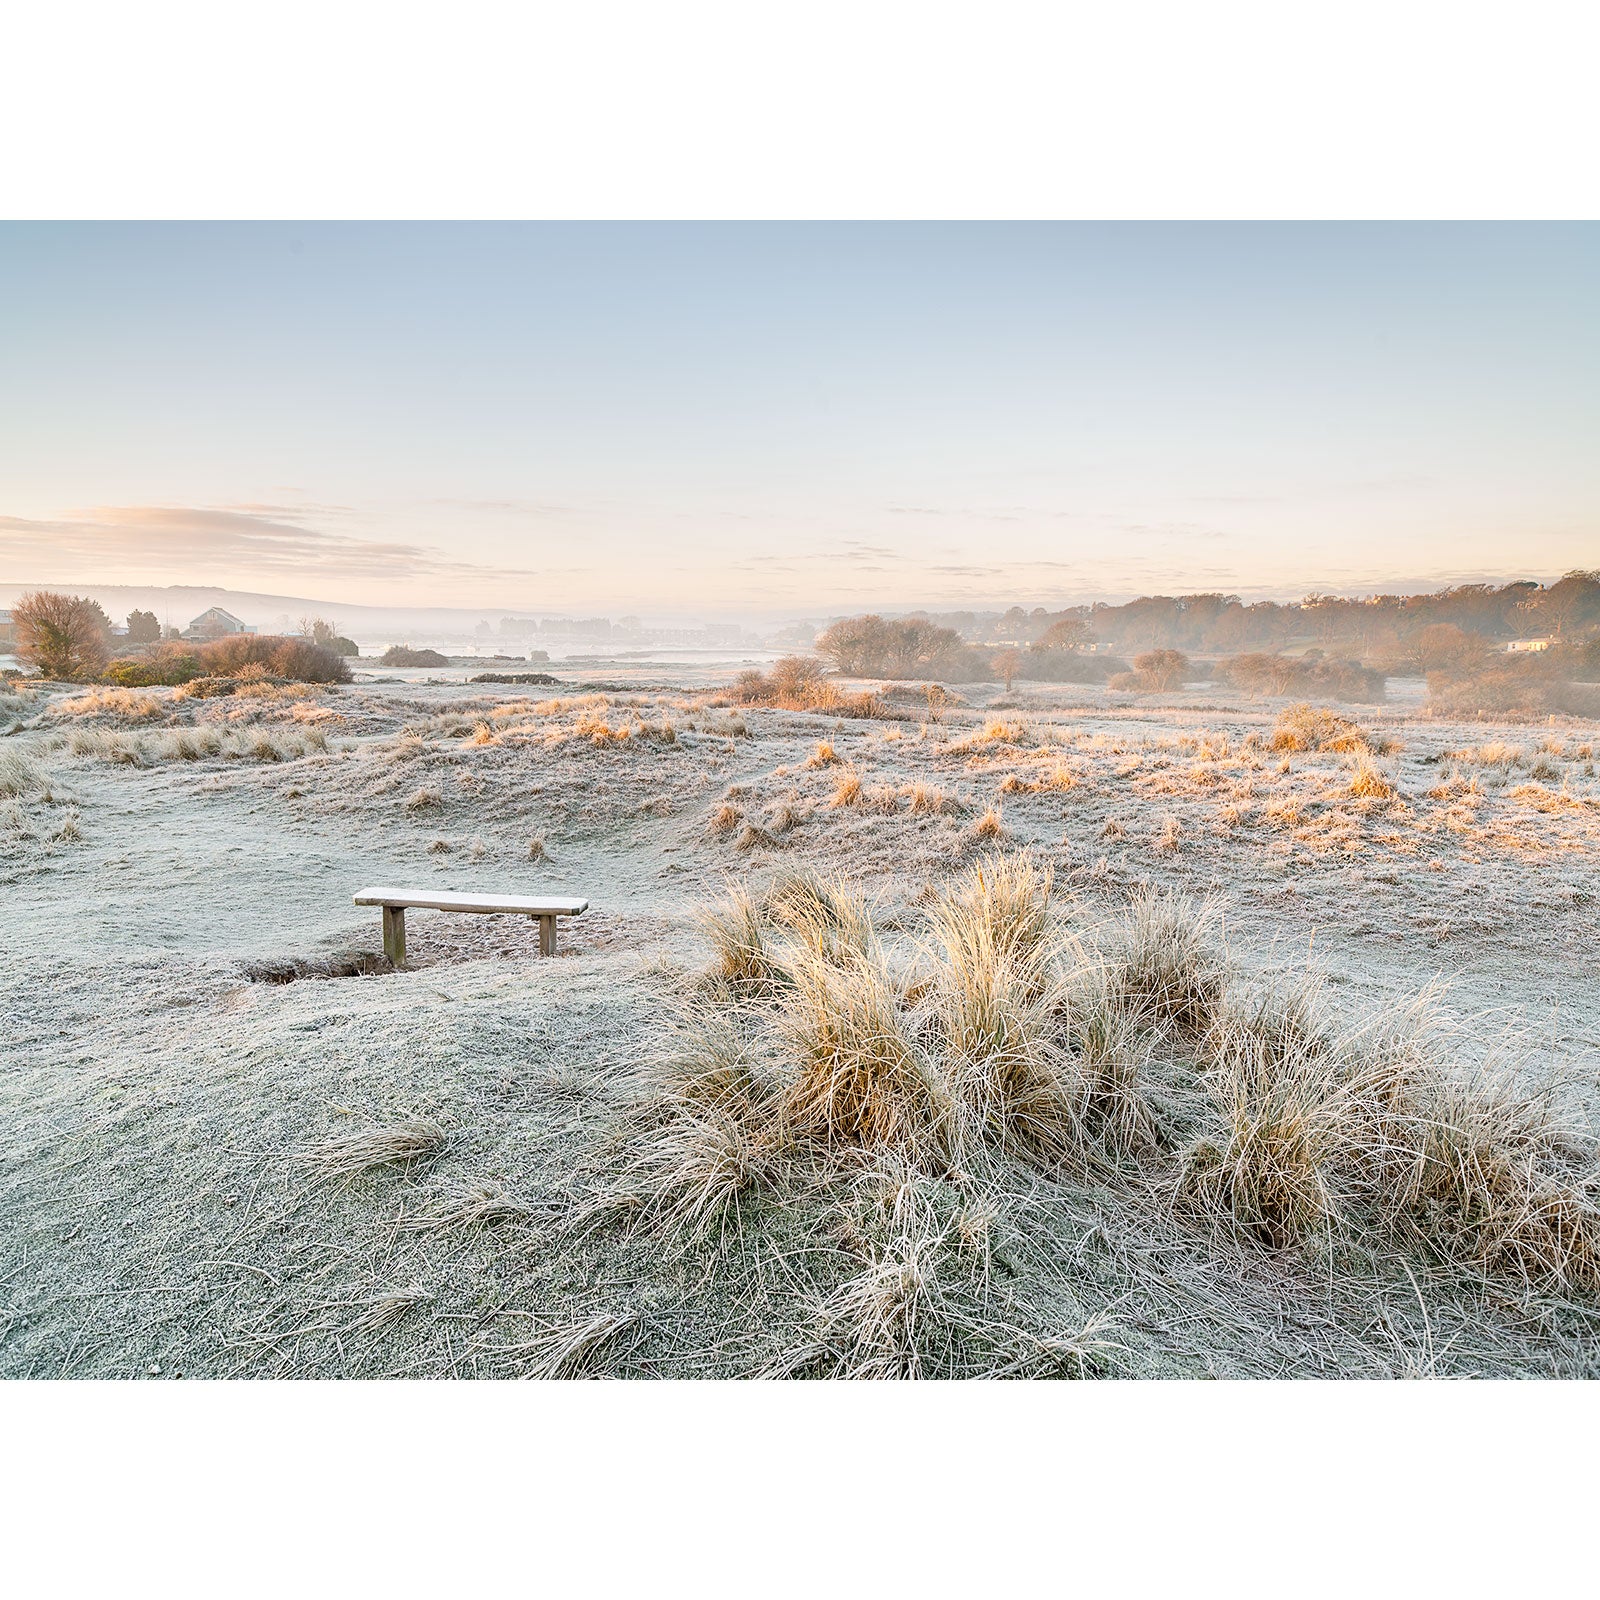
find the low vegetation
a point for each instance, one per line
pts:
(1329, 678)
(1307, 727)
(1154, 672)
(202, 742)
(800, 683)
(1023, 1115)
(1009, 1049)
(402, 655)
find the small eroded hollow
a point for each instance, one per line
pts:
(288, 969)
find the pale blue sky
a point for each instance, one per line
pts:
(765, 418)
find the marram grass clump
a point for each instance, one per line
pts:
(1006, 1045)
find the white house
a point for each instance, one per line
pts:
(1528, 646)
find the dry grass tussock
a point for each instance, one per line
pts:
(203, 742)
(34, 812)
(971, 1047)
(1139, 1057)
(847, 789)
(1368, 781)
(990, 826)
(1373, 1138)
(1001, 732)
(1493, 753)
(1306, 727)
(817, 1064)
(1166, 957)
(15, 700)
(120, 705)
(465, 1205)
(20, 774)
(799, 683)
(349, 1155)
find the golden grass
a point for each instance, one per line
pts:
(1007, 897)
(125, 705)
(741, 958)
(1004, 1045)
(1306, 727)
(1287, 1105)
(990, 825)
(860, 1077)
(1368, 781)
(827, 915)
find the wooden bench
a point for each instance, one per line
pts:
(394, 902)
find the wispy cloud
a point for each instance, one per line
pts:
(263, 541)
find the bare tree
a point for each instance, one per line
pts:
(1007, 664)
(63, 635)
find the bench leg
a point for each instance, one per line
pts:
(394, 934)
(547, 936)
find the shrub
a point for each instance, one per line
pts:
(1006, 665)
(797, 683)
(1527, 687)
(320, 631)
(298, 660)
(1042, 664)
(402, 655)
(1162, 669)
(1154, 672)
(1313, 673)
(151, 672)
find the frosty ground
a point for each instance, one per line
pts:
(164, 1211)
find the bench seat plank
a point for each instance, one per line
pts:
(443, 900)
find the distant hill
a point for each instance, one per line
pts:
(179, 603)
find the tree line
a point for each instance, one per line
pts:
(1383, 626)
(69, 639)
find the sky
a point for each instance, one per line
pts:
(790, 419)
